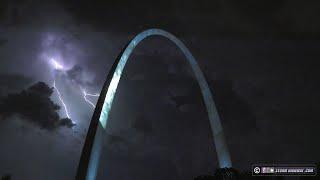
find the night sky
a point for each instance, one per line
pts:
(261, 59)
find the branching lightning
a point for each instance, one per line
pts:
(61, 99)
(85, 94)
(59, 67)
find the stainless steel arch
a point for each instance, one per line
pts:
(89, 161)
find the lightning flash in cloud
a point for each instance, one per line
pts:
(56, 64)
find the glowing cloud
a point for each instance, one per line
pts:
(56, 64)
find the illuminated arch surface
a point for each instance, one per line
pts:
(89, 160)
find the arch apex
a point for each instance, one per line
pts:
(89, 160)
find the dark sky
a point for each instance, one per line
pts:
(260, 58)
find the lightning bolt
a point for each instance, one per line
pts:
(85, 94)
(61, 99)
(58, 66)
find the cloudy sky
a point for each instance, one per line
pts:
(260, 59)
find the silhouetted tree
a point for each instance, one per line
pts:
(221, 174)
(6, 177)
(204, 178)
(226, 174)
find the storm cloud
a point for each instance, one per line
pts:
(260, 60)
(34, 104)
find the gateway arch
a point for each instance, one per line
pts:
(89, 161)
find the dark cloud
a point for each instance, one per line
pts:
(205, 18)
(233, 110)
(189, 99)
(142, 125)
(66, 122)
(3, 42)
(114, 139)
(35, 105)
(12, 82)
(75, 74)
(263, 87)
(78, 75)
